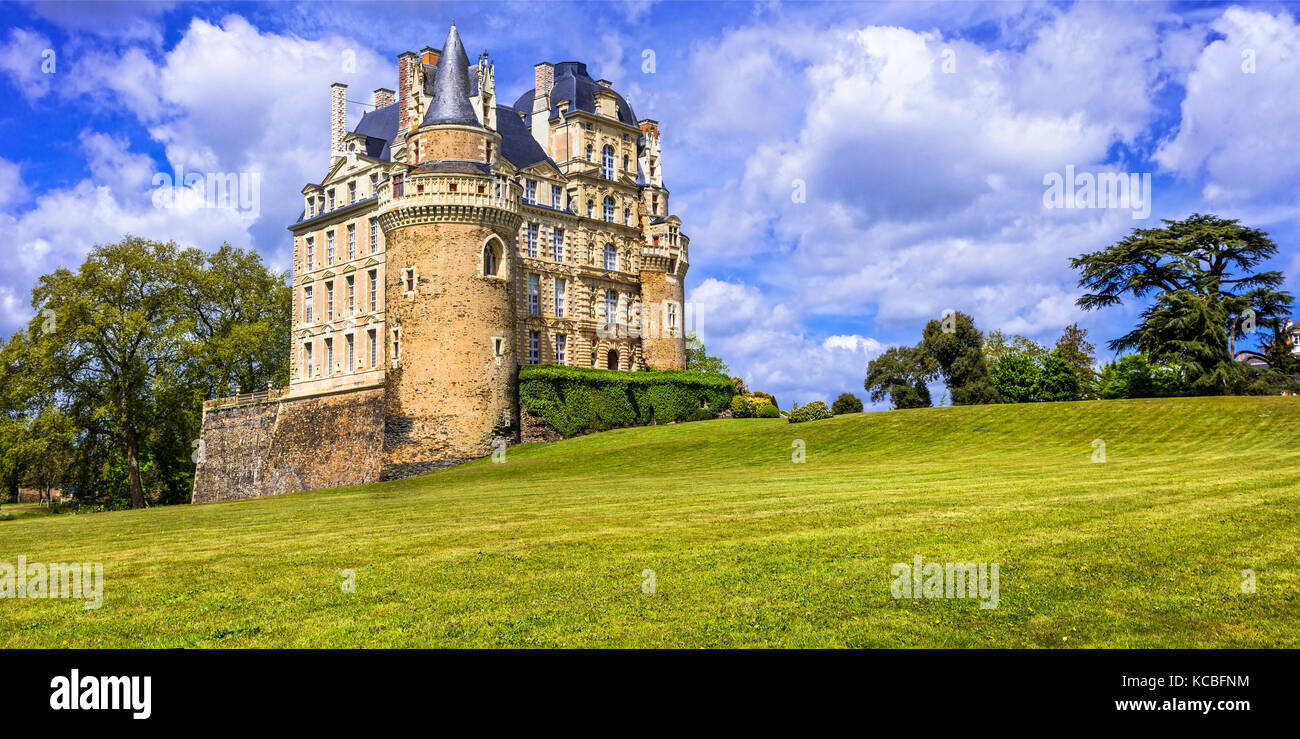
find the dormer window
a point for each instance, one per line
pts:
(329, 202)
(352, 192)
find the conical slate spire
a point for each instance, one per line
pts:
(451, 85)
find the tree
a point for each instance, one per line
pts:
(1075, 349)
(997, 345)
(901, 374)
(1134, 376)
(846, 403)
(1015, 376)
(698, 359)
(1056, 380)
(127, 348)
(956, 348)
(1207, 290)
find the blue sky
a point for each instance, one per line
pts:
(919, 133)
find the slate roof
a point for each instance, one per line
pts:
(380, 128)
(517, 143)
(573, 83)
(451, 93)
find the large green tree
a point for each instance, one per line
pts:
(901, 374)
(957, 349)
(128, 346)
(1203, 275)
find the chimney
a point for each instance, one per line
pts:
(543, 81)
(383, 97)
(430, 55)
(338, 118)
(606, 84)
(405, 84)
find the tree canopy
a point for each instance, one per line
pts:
(1203, 275)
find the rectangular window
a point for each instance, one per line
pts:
(534, 348)
(352, 296)
(329, 204)
(352, 356)
(561, 345)
(530, 191)
(559, 297)
(672, 316)
(533, 290)
(306, 352)
(408, 276)
(611, 306)
(352, 192)
(329, 301)
(374, 184)
(311, 253)
(307, 304)
(557, 240)
(352, 241)
(374, 348)
(329, 356)
(329, 247)
(397, 345)
(374, 291)
(532, 240)
(557, 196)
(374, 235)
(397, 186)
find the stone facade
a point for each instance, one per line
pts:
(454, 238)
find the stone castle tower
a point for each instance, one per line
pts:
(451, 224)
(453, 239)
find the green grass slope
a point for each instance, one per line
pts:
(748, 548)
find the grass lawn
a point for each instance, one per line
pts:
(748, 548)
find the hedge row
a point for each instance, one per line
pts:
(576, 399)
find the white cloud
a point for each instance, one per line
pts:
(22, 57)
(1238, 127)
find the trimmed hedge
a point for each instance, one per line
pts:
(577, 399)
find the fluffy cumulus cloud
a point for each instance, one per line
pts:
(1240, 115)
(28, 59)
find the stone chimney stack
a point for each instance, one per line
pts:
(543, 81)
(383, 97)
(406, 81)
(338, 119)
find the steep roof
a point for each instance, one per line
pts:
(451, 86)
(517, 143)
(379, 126)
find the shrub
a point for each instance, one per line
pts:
(765, 396)
(742, 407)
(769, 411)
(814, 411)
(576, 399)
(846, 403)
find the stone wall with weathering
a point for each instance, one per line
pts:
(277, 446)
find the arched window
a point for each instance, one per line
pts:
(607, 162)
(591, 208)
(589, 152)
(611, 257)
(611, 360)
(593, 358)
(609, 210)
(492, 259)
(625, 162)
(611, 306)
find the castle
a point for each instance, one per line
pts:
(453, 239)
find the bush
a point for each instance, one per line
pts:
(1134, 376)
(743, 407)
(576, 399)
(846, 403)
(769, 411)
(814, 411)
(765, 396)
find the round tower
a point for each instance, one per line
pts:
(450, 225)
